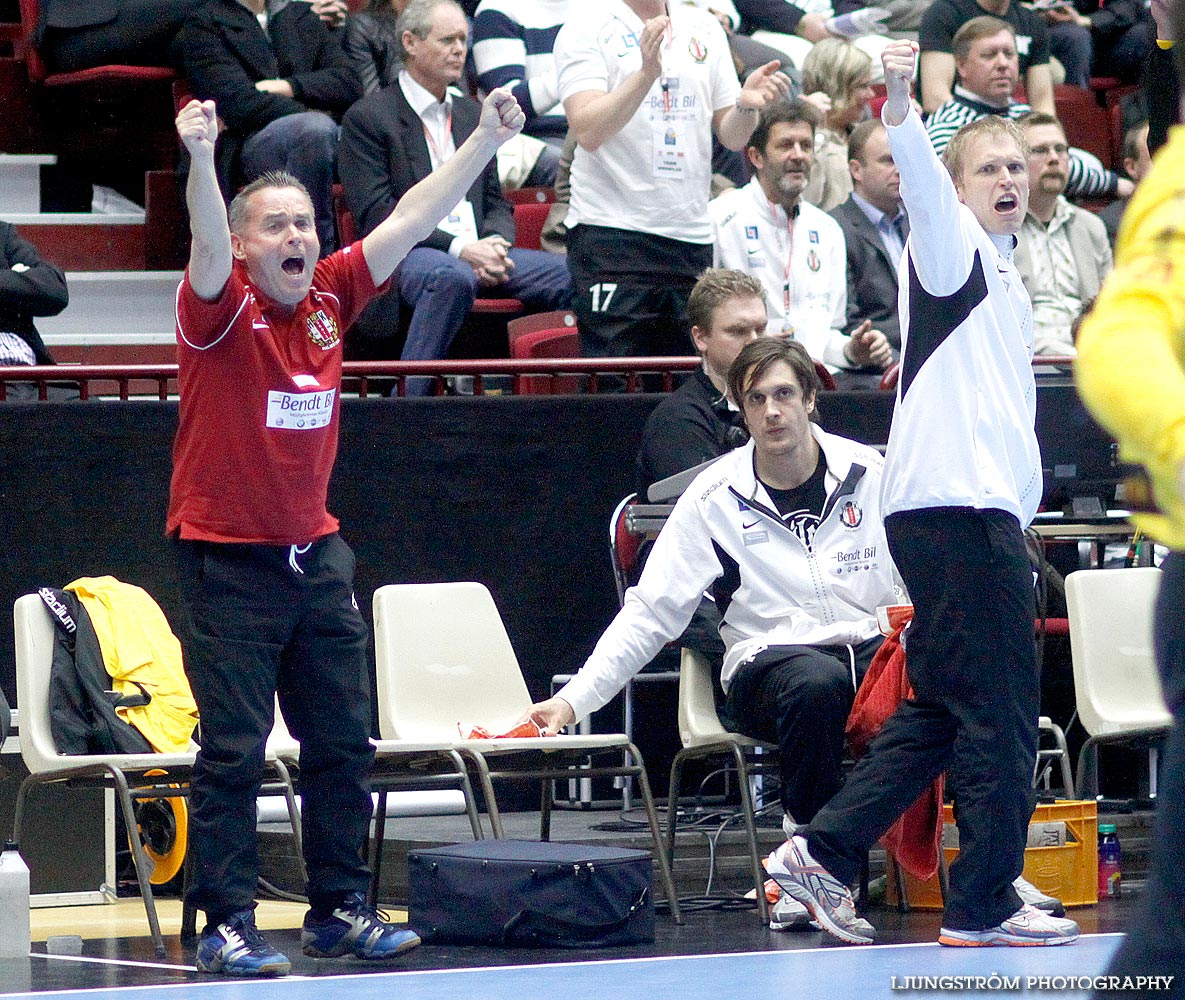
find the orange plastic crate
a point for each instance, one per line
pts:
(1070, 873)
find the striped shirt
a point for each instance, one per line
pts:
(14, 350)
(512, 47)
(1088, 177)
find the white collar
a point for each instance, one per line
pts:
(421, 99)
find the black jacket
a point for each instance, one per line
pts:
(37, 288)
(226, 52)
(383, 153)
(82, 705)
(872, 278)
(373, 50)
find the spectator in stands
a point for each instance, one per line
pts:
(281, 82)
(939, 59)
(837, 68)
(29, 286)
(1137, 161)
(795, 250)
(771, 528)
(513, 43)
(986, 55)
(875, 228)
(1062, 252)
(1119, 35)
(792, 30)
(266, 581)
(698, 421)
(394, 138)
(74, 36)
(644, 90)
(372, 44)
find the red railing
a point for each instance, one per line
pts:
(375, 378)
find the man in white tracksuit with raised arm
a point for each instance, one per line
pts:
(786, 532)
(962, 479)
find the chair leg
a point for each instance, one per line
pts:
(487, 788)
(1087, 783)
(902, 887)
(467, 792)
(1059, 739)
(751, 832)
(673, 789)
(139, 858)
(285, 777)
(660, 854)
(380, 833)
(545, 793)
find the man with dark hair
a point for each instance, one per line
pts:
(773, 528)
(793, 248)
(875, 228)
(1137, 318)
(1137, 162)
(281, 82)
(962, 479)
(266, 581)
(1062, 252)
(397, 136)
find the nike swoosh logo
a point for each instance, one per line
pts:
(753, 525)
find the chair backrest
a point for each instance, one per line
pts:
(522, 325)
(443, 657)
(698, 721)
(34, 634)
(529, 219)
(1116, 685)
(347, 226)
(561, 343)
(1086, 123)
(623, 548)
(531, 195)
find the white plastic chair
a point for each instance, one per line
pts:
(34, 635)
(443, 658)
(702, 735)
(1116, 685)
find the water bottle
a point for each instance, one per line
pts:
(14, 903)
(1110, 872)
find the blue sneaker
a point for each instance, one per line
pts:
(236, 948)
(354, 928)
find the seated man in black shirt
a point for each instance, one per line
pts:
(726, 311)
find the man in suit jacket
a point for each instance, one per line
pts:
(395, 137)
(280, 91)
(875, 228)
(29, 286)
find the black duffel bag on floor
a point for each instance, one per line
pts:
(530, 893)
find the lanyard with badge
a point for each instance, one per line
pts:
(671, 133)
(462, 220)
(787, 249)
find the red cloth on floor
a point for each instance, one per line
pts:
(915, 839)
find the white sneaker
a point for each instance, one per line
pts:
(828, 900)
(789, 827)
(1027, 927)
(788, 914)
(1030, 894)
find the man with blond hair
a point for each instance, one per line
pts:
(962, 479)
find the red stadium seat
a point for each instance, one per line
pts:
(529, 195)
(529, 217)
(1087, 124)
(562, 342)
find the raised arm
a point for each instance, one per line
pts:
(429, 201)
(209, 249)
(938, 250)
(596, 116)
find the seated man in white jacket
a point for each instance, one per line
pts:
(786, 531)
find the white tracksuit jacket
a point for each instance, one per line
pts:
(962, 432)
(725, 533)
